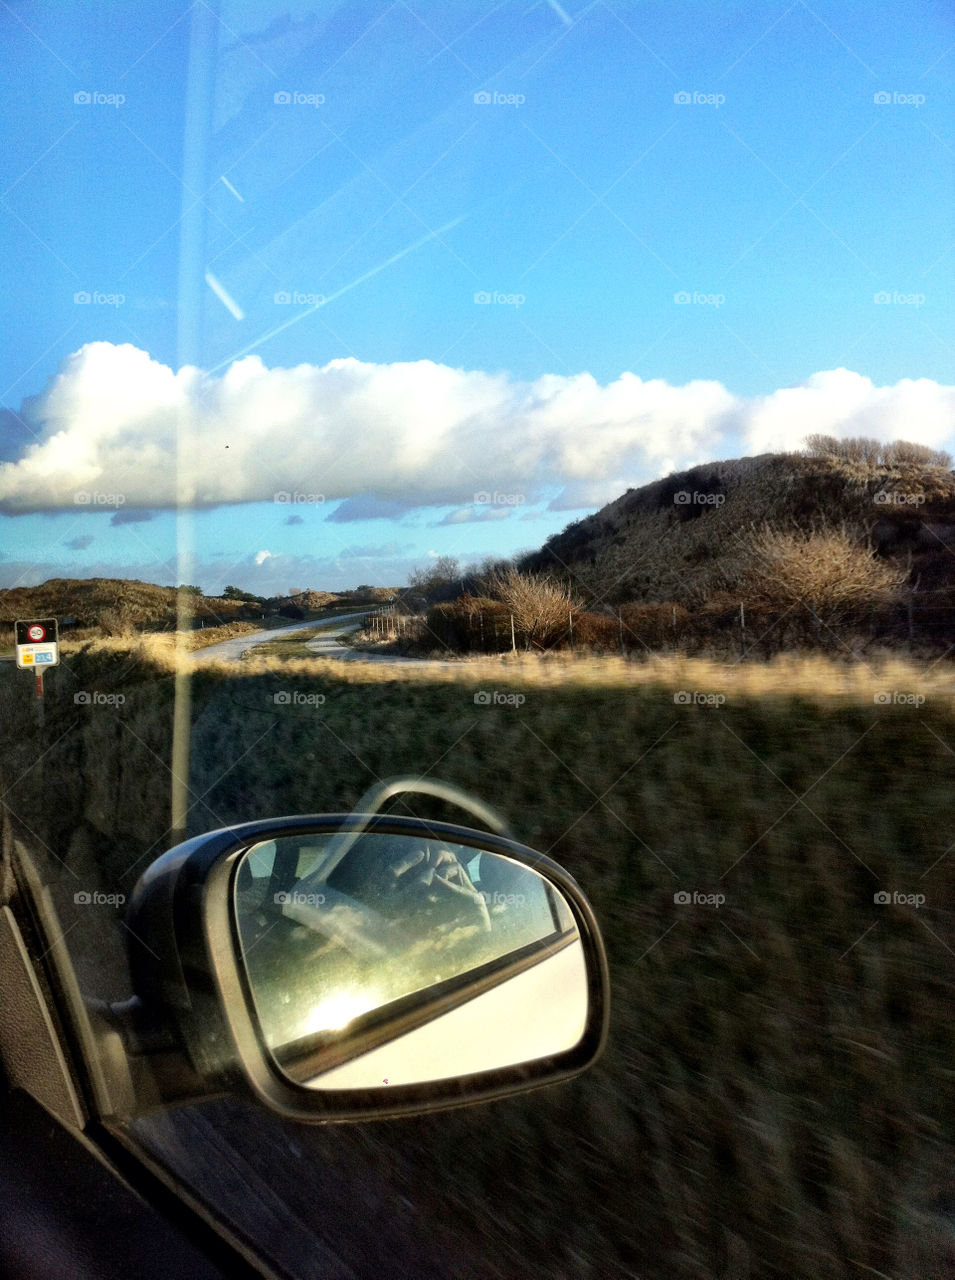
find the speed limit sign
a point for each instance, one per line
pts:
(37, 643)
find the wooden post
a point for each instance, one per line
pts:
(742, 629)
(38, 671)
(513, 639)
(620, 629)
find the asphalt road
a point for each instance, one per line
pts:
(232, 650)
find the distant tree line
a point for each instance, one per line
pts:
(876, 453)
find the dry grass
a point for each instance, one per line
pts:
(778, 1098)
(815, 677)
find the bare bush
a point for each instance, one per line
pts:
(117, 620)
(826, 576)
(901, 453)
(541, 607)
(873, 453)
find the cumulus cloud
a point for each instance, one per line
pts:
(417, 434)
(390, 438)
(841, 403)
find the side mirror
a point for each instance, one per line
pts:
(354, 966)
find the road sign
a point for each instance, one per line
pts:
(37, 643)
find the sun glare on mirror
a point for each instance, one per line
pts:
(335, 1013)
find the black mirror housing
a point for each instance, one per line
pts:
(189, 971)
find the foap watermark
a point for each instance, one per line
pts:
(296, 899)
(691, 498)
(499, 899)
(298, 499)
(486, 98)
(686, 99)
(297, 298)
(885, 99)
(493, 298)
(898, 499)
(93, 98)
(497, 698)
(293, 698)
(686, 299)
(698, 698)
(96, 498)
(683, 898)
(94, 898)
(487, 499)
(85, 298)
(896, 899)
(898, 698)
(893, 298)
(92, 698)
(294, 98)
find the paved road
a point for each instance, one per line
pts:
(323, 646)
(326, 646)
(232, 650)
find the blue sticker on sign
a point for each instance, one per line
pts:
(43, 657)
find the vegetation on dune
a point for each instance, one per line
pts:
(682, 538)
(96, 608)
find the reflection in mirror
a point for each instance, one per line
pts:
(376, 960)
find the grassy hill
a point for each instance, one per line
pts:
(686, 538)
(118, 606)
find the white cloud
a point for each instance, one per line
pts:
(260, 557)
(395, 437)
(419, 434)
(841, 403)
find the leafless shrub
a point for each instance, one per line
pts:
(540, 606)
(825, 576)
(873, 453)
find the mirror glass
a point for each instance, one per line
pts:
(376, 960)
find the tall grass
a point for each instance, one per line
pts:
(778, 1097)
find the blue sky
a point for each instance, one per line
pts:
(369, 283)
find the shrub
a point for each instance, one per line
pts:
(540, 606)
(863, 449)
(654, 626)
(470, 624)
(595, 631)
(824, 578)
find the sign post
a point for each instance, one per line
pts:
(38, 647)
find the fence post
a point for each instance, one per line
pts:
(742, 630)
(620, 629)
(513, 640)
